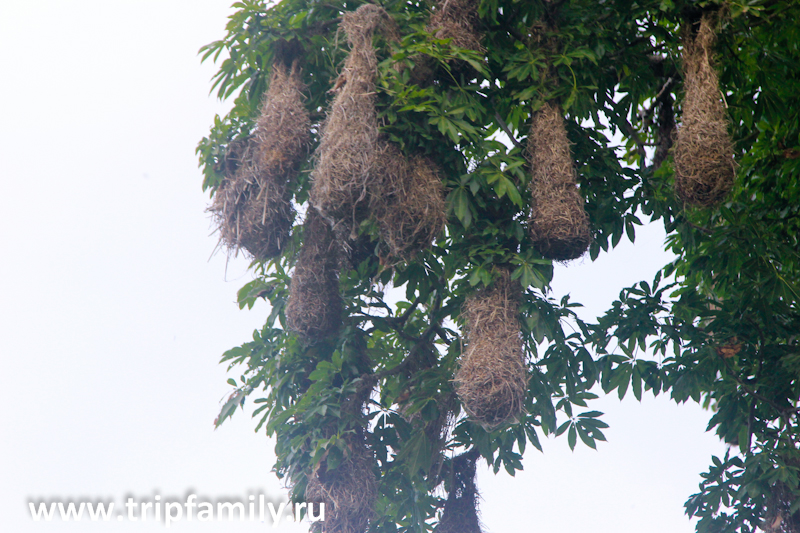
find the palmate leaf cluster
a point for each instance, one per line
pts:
(717, 326)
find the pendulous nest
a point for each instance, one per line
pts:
(349, 491)
(457, 20)
(408, 201)
(437, 430)
(461, 508)
(703, 152)
(492, 381)
(558, 223)
(314, 308)
(342, 177)
(779, 517)
(252, 207)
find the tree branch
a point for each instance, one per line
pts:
(505, 128)
(631, 133)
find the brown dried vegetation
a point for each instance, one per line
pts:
(558, 222)
(457, 20)
(437, 430)
(460, 510)
(314, 308)
(492, 380)
(703, 152)
(349, 491)
(779, 517)
(251, 207)
(342, 177)
(408, 201)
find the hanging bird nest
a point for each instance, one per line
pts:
(666, 130)
(558, 222)
(283, 127)
(457, 20)
(314, 308)
(492, 380)
(408, 201)
(235, 156)
(779, 517)
(703, 153)
(252, 206)
(341, 177)
(349, 491)
(460, 513)
(252, 211)
(436, 430)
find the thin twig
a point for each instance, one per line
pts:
(507, 131)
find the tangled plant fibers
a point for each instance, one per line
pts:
(779, 517)
(314, 308)
(437, 429)
(460, 510)
(341, 177)
(492, 381)
(457, 20)
(558, 222)
(666, 130)
(349, 491)
(235, 156)
(252, 208)
(407, 202)
(703, 153)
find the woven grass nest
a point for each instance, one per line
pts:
(558, 223)
(492, 381)
(349, 491)
(251, 207)
(314, 308)
(341, 177)
(461, 508)
(408, 201)
(436, 430)
(457, 20)
(703, 151)
(779, 517)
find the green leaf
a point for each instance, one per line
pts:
(459, 200)
(585, 438)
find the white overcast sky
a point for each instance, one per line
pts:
(113, 317)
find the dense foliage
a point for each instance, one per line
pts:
(718, 326)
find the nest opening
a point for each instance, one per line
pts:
(252, 206)
(314, 308)
(558, 223)
(703, 151)
(492, 381)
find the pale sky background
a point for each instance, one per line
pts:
(113, 317)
